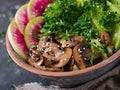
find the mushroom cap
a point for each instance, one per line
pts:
(78, 58)
(64, 58)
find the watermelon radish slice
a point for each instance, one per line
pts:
(37, 8)
(17, 40)
(21, 18)
(32, 31)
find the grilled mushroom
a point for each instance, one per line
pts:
(88, 52)
(86, 55)
(52, 51)
(60, 58)
(32, 61)
(35, 57)
(49, 63)
(63, 58)
(78, 57)
(105, 38)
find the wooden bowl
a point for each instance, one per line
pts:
(67, 79)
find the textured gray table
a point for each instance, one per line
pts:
(11, 74)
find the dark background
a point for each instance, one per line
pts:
(11, 74)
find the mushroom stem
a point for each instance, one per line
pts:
(48, 69)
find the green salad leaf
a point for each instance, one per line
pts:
(65, 18)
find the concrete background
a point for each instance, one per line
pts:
(10, 73)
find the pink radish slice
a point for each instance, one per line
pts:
(32, 31)
(37, 8)
(17, 40)
(21, 18)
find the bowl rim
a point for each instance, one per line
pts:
(34, 70)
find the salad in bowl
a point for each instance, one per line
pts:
(66, 35)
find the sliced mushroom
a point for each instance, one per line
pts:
(72, 41)
(86, 55)
(47, 43)
(48, 62)
(35, 57)
(54, 52)
(88, 52)
(48, 56)
(105, 38)
(61, 58)
(32, 61)
(38, 64)
(33, 52)
(42, 44)
(78, 57)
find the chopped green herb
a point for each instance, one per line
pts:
(60, 18)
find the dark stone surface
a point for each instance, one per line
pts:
(10, 73)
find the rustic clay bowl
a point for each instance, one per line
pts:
(67, 79)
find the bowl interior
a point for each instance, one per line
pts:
(27, 67)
